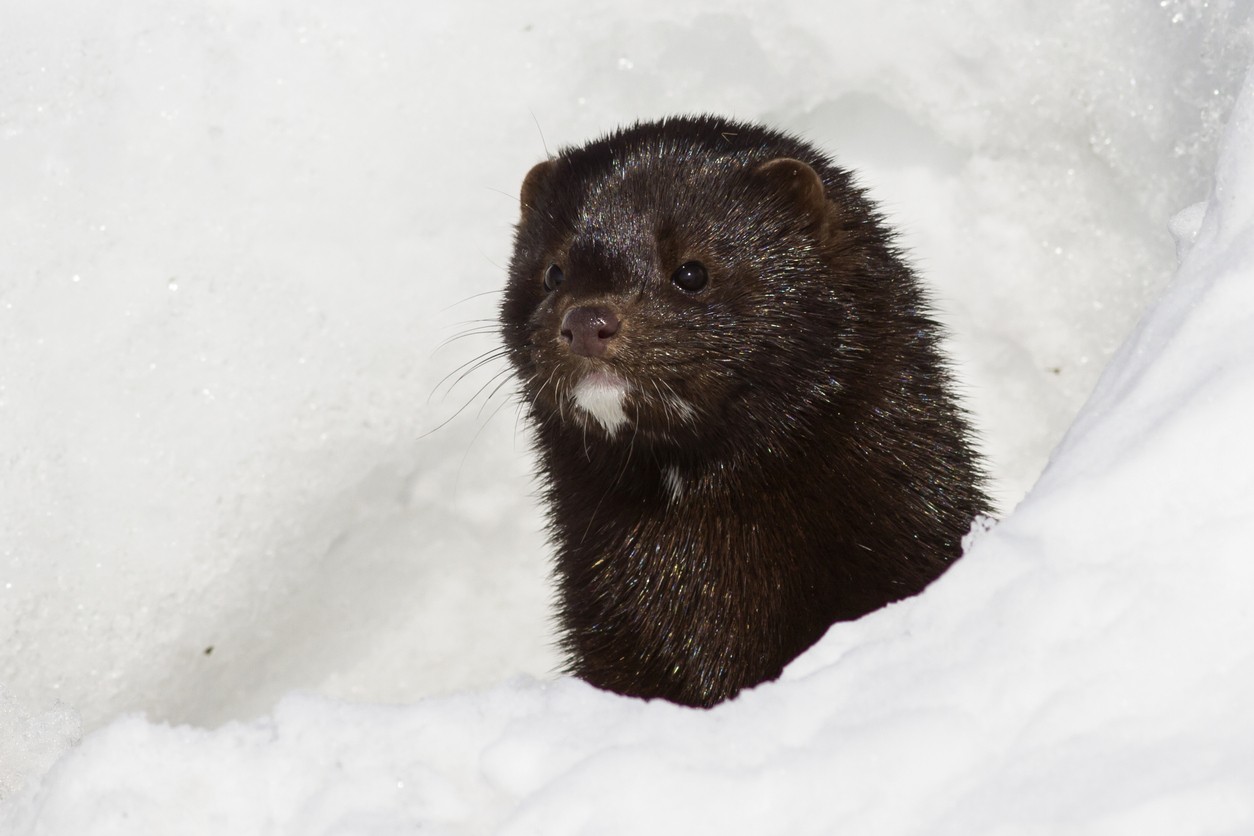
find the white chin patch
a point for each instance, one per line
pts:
(601, 395)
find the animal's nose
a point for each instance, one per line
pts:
(588, 329)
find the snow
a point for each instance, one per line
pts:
(243, 496)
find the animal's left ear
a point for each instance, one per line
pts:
(798, 182)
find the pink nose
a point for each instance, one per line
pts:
(589, 330)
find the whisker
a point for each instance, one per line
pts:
(666, 407)
(445, 422)
(631, 448)
(472, 365)
(502, 192)
(479, 391)
(540, 131)
(518, 416)
(587, 453)
(560, 398)
(472, 296)
(505, 376)
(482, 331)
(482, 361)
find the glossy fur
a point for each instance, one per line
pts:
(792, 453)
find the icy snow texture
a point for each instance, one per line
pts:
(235, 239)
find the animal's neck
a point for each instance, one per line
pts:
(703, 584)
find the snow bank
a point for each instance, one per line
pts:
(236, 238)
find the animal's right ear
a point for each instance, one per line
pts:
(533, 182)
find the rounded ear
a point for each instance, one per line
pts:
(799, 182)
(533, 181)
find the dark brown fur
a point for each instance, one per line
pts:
(790, 452)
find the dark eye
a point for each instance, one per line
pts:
(552, 277)
(691, 276)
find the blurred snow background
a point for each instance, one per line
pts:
(235, 238)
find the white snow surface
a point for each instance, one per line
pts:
(243, 508)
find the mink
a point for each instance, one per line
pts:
(745, 427)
